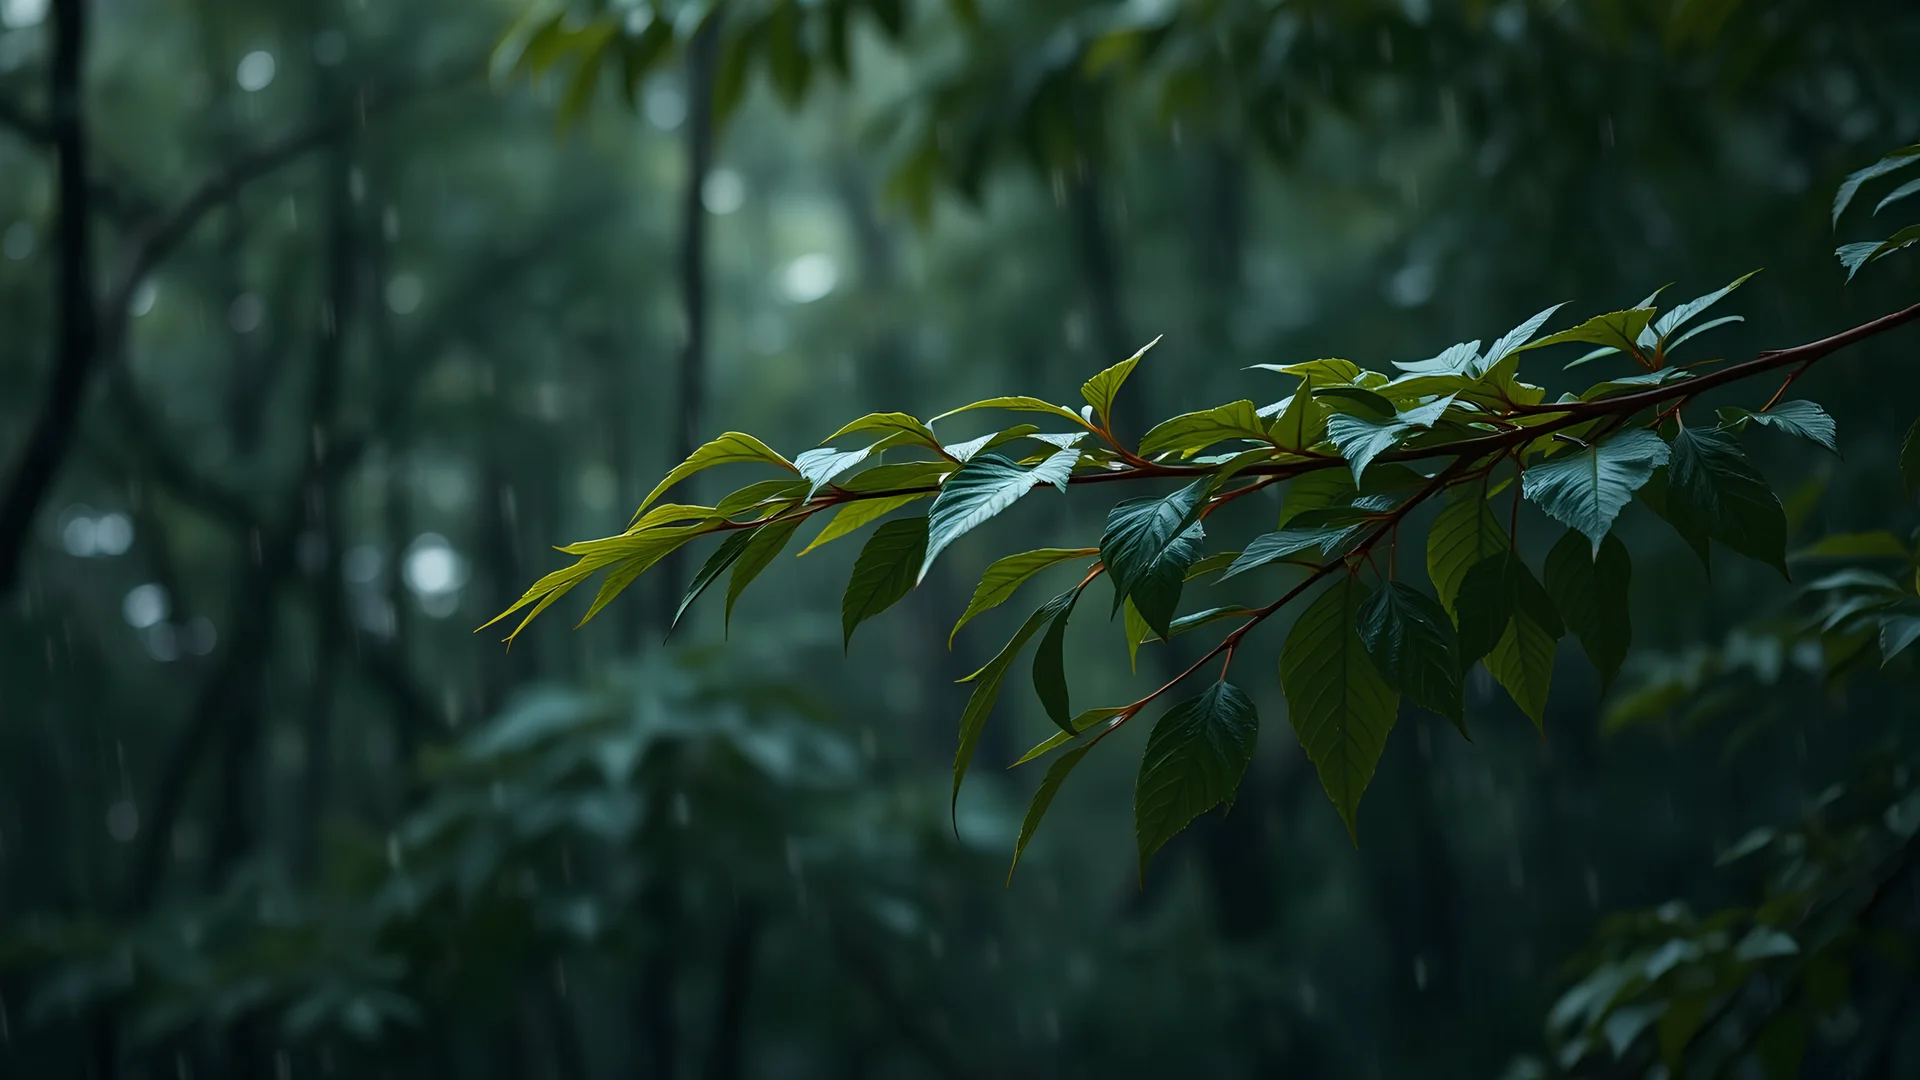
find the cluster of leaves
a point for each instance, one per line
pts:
(1856, 255)
(538, 834)
(791, 40)
(1359, 451)
(1664, 991)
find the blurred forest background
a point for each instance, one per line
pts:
(368, 319)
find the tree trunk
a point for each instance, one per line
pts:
(702, 58)
(54, 428)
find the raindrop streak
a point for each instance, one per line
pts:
(256, 71)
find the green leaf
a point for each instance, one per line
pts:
(1017, 403)
(1896, 633)
(1342, 710)
(1798, 417)
(1212, 564)
(768, 541)
(890, 423)
(1301, 420)
(1050, 668)
(1081, 725)
(1290, 541)
(1461, 359)
(1710, 324)
(1356, 401)
(1656, 498)
(1492, 593)
(1616, 330)
(760, 495)
(1522, 662)
(1713, 490)
(1855, 256)
(1190, 433)
(1590, 590)
(1905, 190)
(1360, 439)
(1685, 313)
(1910, 459)
(982, 488)
(964, 451)
(717, 563)
(893, 479)
(1586, 488)
(1516, 338)
(1326, 372)
(986, 687)
(820, 467)
(1194, 761)
(1211, 615)
(1898, 159)
(1466, 533)
(1146, 543)
(1138, 632)
(1102, 388)
(1057, 774)
(1005, 577)
(1411, 641)
(883, 573)
(857, 514)
(731, 447)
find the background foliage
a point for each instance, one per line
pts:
(268, 806)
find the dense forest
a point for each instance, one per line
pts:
(323, 323)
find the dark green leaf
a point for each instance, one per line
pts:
(1522, 662)
(819, 467)
(1516, 338)
(982, 488)
(1193, 432)
(1685, 313)
(1590, 590)
(884, 572)
(1081, 725)
(1714, 491)
(1411, 641)
(1898, 159)
(1896, 633)
(1194, 761)
(733, 446)
(1006, 576)
(1798, 417)
(1491, 594)
(986, 688)
(1286, 542)
(1466, 533)
(716, 564)
(768, 541)
(1586, 488)
(1145, 542)
(1342, 710)
(1050, 668)
(1101, 389)
(1616, 330)
(856, 514)
(1057, 774)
